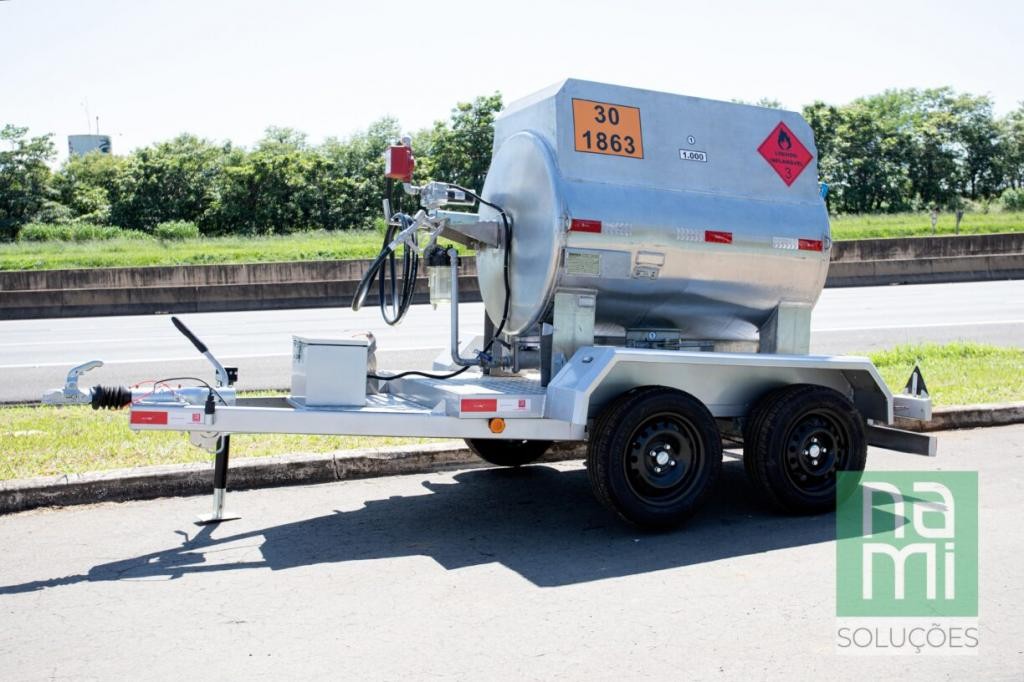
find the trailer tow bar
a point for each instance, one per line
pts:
(225, 377)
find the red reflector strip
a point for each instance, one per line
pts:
(810, 245)
(717, 237)
(479, 405)
(149, 417)
(580, 225)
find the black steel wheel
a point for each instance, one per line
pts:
(799, 439)
(508, 453)
(654, 456)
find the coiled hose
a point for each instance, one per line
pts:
(396, 298)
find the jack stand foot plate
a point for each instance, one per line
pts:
(208, 519)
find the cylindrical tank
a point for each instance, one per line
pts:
(706, 220)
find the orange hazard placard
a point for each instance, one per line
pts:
(605, 128)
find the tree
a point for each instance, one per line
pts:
(977, 134)
(355, 172)
(172, 180)
(1011, 145)
(460, 150)
(824, 120)
(24, 177)
(88, 184)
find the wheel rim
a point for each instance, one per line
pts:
(664, 457)
(817, 446)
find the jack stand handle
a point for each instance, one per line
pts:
(224, 377)
(200, 346)
(220, 484)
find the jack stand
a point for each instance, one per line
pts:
(220, 484)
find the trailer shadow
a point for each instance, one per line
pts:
(539, 521)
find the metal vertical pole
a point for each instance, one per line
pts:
(220, 483)
(488, 334)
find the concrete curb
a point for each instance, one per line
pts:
(967, 417)
(179, 480)
(145, 483)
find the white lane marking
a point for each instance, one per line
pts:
(935, 325)
(223, 358)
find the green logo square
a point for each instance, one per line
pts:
(907, 544)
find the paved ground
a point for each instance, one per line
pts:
(481, 574)
(36, 354)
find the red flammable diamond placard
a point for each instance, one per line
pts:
(786, 154)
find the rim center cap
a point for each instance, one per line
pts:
(814, 451)
(662, 458)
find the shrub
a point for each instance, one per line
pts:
(54, 212)
(176, 230)
(73, 232)
(1013, 199)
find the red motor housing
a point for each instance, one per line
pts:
(399, 163)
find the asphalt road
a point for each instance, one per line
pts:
(476, 574)
(36, 354)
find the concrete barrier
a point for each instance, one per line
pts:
(913, 248)
(256, 286)
(862, 273)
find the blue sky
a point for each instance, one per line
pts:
(226, 69)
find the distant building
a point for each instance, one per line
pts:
(83, 144)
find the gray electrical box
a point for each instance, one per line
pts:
(329, 372)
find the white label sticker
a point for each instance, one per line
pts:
(184, 417)
(513, 404)
(693, 155)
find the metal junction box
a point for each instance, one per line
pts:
(329, 372)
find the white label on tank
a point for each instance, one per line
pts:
(583, 264)
(693, 155)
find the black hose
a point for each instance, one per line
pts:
(504, 314)
(397, 302)
(507, 260)
(399, 298)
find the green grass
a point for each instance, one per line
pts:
(920, 224)
(45, 441)
(317, 245)
(142, 250)
(957, 373)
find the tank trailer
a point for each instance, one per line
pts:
(648, 263)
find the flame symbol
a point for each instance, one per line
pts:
(784, 142)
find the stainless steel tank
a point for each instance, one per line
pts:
(678, 212)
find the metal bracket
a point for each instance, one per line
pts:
(914, 402)
(910, 442)
(574, 315)
(474, 234)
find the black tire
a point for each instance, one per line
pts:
(508, 453)
(661, 490)
(800, 438)
(752, 426)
